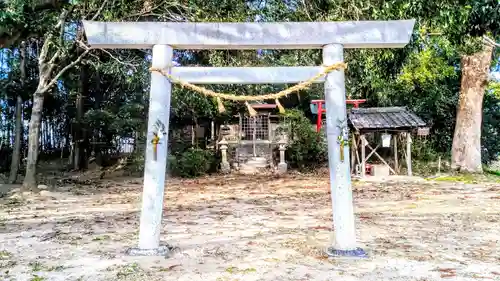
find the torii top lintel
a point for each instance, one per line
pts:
(249, 35)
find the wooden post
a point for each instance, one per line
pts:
(320, 117)
(212, 130)
(353, 154)
(408, 153)
(254, 134)
(363, 158)
(439, 165)
(270, 138)
(356, 145)
(193, 135)
(396, 162)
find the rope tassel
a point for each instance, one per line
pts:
(280, 106)
(251, 111)
(220, 105)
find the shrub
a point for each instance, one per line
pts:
(306, 149)
(192, 163)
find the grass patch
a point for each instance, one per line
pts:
(235, 270)
(5, 255)
(494, 173)
(469, 178)
(36, 266)
(37, 278)
(56, 268)
(101, 238)
(130, 271)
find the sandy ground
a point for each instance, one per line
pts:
(254, 228)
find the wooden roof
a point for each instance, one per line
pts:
(384, 118)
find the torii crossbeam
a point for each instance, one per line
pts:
(331, 37)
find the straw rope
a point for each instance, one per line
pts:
(224, 96)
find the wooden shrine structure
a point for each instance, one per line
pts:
(391, 123)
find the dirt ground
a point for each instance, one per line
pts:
(254, 228)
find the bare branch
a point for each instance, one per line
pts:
(100, 10)
(52, 63)
(55, 57)
(62, 18)
(150, 11)
(134, 66)
(42, 59)
(62, 71)
(48, 40)
(490, 41)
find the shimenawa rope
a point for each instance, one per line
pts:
(224, 96)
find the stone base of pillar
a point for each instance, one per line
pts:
(162, 251)
(282, 168)
(355, 253)
(225, 167)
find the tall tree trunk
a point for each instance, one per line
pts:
(466, 150)
(30, 182)
(81, 136)
(16, 153)
(9, 127)
(77, 132)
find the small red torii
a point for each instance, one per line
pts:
(319, 105)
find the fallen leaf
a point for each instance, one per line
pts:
(481, 277)
(173, 266)
(448, 270)
(320, 227)
(321, 258)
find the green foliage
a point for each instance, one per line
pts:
(425, 68)
(494, 89)
(490, 136)
(425, 75)
(307, 148)
(191, 163)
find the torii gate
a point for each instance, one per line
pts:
(331, 37)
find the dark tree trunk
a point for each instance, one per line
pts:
(16, 153)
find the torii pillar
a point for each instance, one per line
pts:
(331, 37)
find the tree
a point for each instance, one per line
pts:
(110, 87)
(57, 56)
(466, 150)
(21, 19)
(482, 18)
(16, 153)
(48, 77)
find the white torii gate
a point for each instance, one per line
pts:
(332, 37)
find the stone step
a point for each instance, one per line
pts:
(257, 162)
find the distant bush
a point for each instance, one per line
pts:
(307, 148)
(192, 163)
